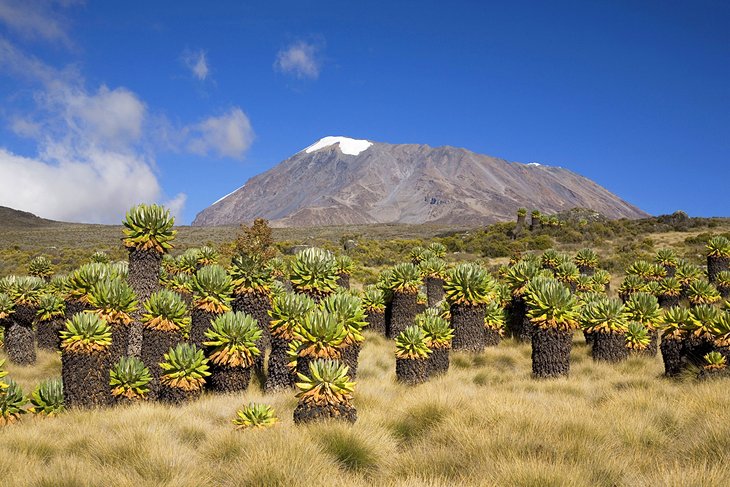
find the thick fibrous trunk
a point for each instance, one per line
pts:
(438, 362)
(551, 352)
(672, 356)
(120, 342)
(518, 325)
(280, 377)
(715, 265)
(74, 307)
(143, 278)
(609, 347)
(343, 280)
(229, 379)
(19, 336)
(85, 379)
(671, 270)
(695, 348)
(586, 270)
(155, 344)
(175, 395)
(434, 290)
(492, 337)
(310, 414)
(468, 325)
(200, 322)
(376, 322)
(48, 334)
(667, 302)
(411, 371)
(350, 356)
(589, 336)
(404, 309)
(258, 305)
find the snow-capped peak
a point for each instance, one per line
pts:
(536, 164)
(226, 196)
(348, 146)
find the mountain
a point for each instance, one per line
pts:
(10, 218)
(340, 181)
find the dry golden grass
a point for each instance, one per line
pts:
(487, 422)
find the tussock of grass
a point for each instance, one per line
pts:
(486, 422)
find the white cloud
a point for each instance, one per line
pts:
(197, 63)
(229, 135)
(36, 18)
(300, 59)
(89, 166)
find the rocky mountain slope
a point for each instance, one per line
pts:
(340, 181)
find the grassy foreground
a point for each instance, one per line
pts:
(487, 422)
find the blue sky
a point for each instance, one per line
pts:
(103, 104)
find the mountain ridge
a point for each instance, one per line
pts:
(348, 181)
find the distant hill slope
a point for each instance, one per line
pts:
(10, 218)
(341, 181)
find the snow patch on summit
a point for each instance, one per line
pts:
(352, 147)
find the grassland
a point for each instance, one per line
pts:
(486, 422)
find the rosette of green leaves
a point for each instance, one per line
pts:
(41, 266)
(702, 292)
(47, 398)
(50, 307)
(637, 336)
(130, 378)
(327, 384)
(232, 340)
(287, 314)
(321, 335)
(718, 246)
(469, 285)
(165, 310)
(185, 367)
(250, 276)
(348, 310)
(212, 288)
(149, 227)
(411, 344)
(255, 416)
(436, 329)
(604, 315)
(314, 270)
(643, 308)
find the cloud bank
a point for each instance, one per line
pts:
(300, 59)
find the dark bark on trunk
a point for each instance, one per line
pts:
(376, 322)
(411, 371)
(434, 290)
(492, 338)
(200, 322)
(143, 278)
(311, 414)
(48, 334)
(257, 305)
(652, 349)
(120, 342)
(724, 292)
(438, 362)
(695, 348)
(666, 302)
(280, 377)
(715, 265)
(468, 325)
(712, 374)
(343, 280)
(155, 345)
(609, 347)
(85, 379)
(517, 319)
(551, 352)
(588, 335)
(174, 395)
(586, 271)
(229, 379)
(671, 270)
(672, 356)
(74, 307)
(20, 337)
(403, 313)
(350, 356)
